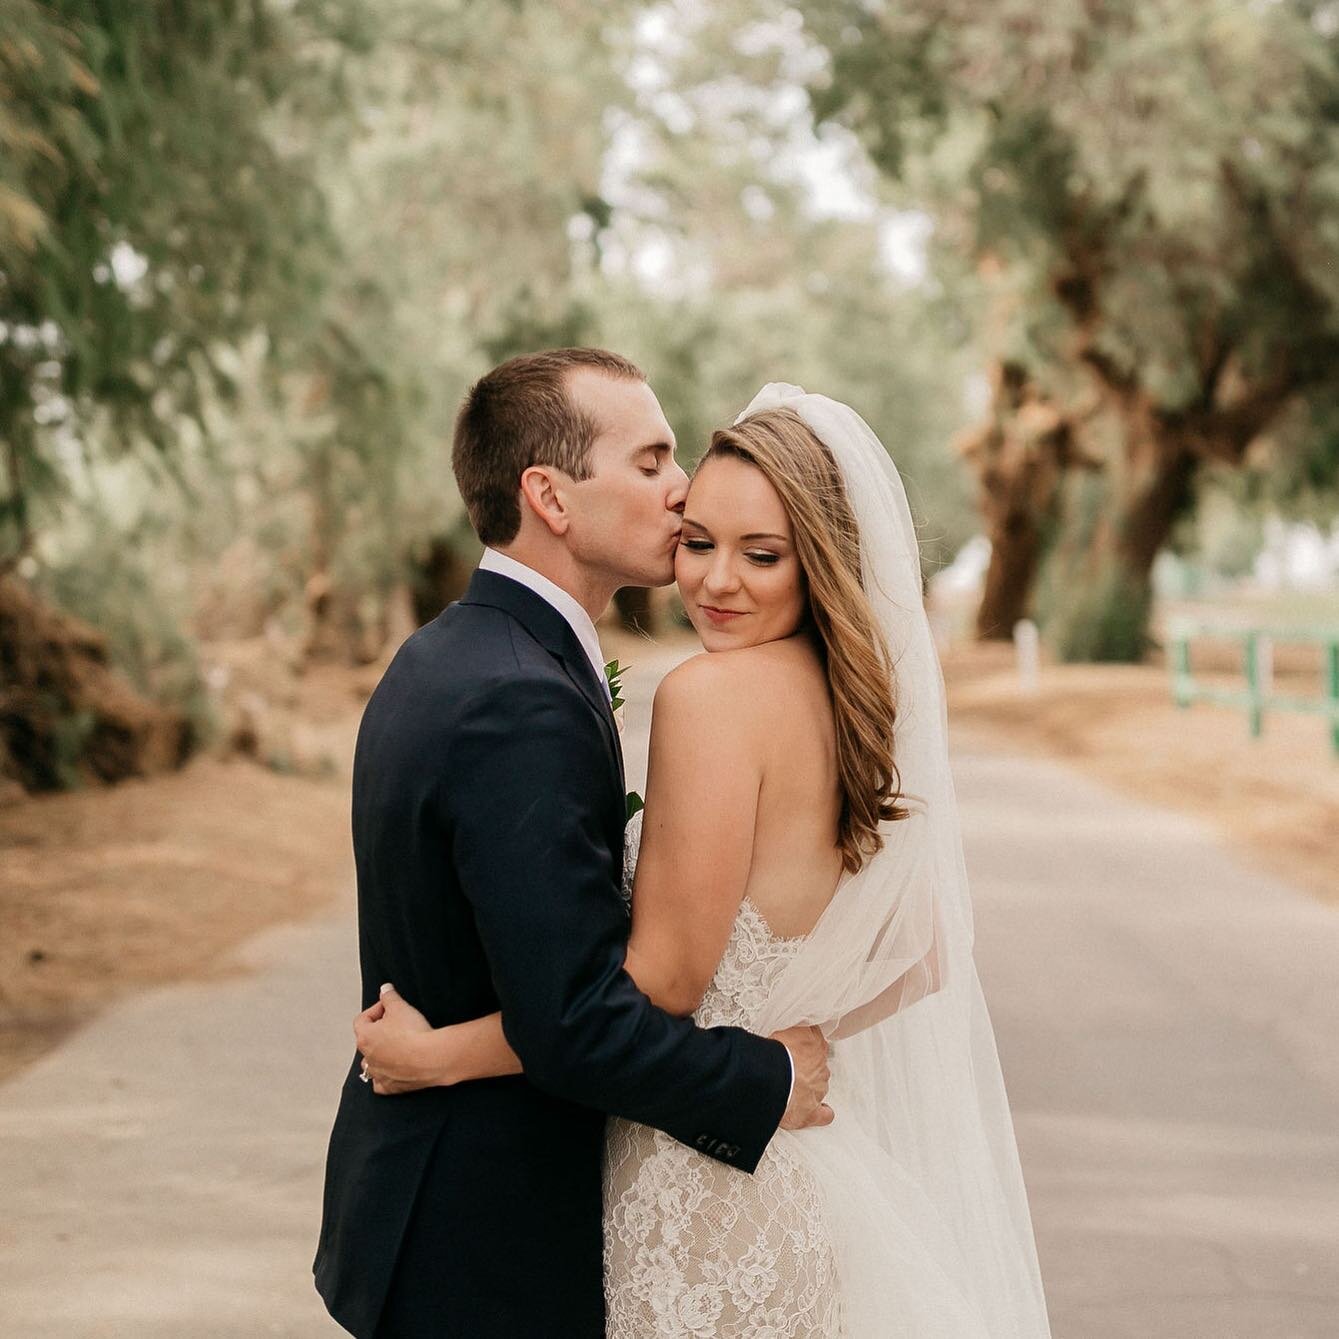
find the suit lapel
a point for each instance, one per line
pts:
(552, 631)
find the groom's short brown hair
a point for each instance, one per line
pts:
(519, 415)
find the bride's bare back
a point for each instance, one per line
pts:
(796, 861)
(743, 799)
(742, 804)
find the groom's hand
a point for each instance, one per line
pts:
(808, 1049)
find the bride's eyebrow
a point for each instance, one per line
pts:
(744, 539)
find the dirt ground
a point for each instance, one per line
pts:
(105, 891)
(1275, 800)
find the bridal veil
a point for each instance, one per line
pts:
(919, 1170)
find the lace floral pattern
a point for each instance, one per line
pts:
(695, 1249)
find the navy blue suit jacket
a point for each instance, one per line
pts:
(488, 815)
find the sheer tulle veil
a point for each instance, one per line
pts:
(919, 1170)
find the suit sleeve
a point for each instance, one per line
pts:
(527, 792)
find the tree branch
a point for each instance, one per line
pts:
(14, 472)
(1121, 383)
(1224, 432)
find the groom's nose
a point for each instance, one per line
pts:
(678, 487)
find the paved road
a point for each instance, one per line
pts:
(1168, 1020)
(1169, 1026)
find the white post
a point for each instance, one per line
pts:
(1027, 648)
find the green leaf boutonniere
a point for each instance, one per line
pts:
(613, 673)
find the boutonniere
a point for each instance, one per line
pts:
(613, 674)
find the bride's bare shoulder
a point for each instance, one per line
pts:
(737, 685)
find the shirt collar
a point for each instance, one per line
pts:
(577, 618)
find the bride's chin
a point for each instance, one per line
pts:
(713, 639)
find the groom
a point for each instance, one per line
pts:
(488, 814)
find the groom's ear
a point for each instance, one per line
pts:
(543, 492)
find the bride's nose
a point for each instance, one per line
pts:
(722, 576)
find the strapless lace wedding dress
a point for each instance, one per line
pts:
(695, 1249)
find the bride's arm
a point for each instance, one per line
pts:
(697, 845)
(404, 1052)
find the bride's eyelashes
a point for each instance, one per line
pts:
(762, 558)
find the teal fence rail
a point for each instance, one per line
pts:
(1257, 659)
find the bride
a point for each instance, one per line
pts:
(800, 862)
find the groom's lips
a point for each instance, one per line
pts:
(721, 617)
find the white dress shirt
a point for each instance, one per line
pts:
(580, 623)
(577, 618)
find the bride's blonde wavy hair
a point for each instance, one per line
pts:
(795, 462)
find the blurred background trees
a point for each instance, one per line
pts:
(148, 219)
(1149, 197)
(1078, 265)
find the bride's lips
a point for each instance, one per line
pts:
(721, 617)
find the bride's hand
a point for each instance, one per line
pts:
(401, 1052)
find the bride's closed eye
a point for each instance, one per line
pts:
(760, 556)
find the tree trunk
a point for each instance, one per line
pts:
(440, 576)
(325, 639)
(1162, 492)
(1015, 546)
(1020, 456)
(635, 610)
(1105, 581)
(65, 715)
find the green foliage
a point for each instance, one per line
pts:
(148, 216)
(1163, 170)
(1102, 619)
(252, 254)
(613, 673)
(1149, 195)
(473, 141)
(1296, 474)
(1088, 605)
(118, 567)
(1221, 536)
(266, 247)
(761, 279)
